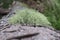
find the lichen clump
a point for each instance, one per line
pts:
(29, 16)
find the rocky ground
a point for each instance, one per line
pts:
(18, 32)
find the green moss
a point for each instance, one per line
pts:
(29, 16)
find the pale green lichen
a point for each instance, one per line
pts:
(29, 16)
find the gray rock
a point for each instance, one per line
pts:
(18, 32)
(4, 20)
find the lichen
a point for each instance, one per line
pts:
(29, 16)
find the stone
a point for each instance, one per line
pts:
(18, 32)
(28, 33)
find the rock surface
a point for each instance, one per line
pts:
(18, 32)
(4, 20)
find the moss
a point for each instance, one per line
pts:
(29, 16)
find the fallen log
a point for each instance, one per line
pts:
(4, 11)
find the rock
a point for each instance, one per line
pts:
(18, 32)
(11, 12)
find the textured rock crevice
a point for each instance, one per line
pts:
(28, 33)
